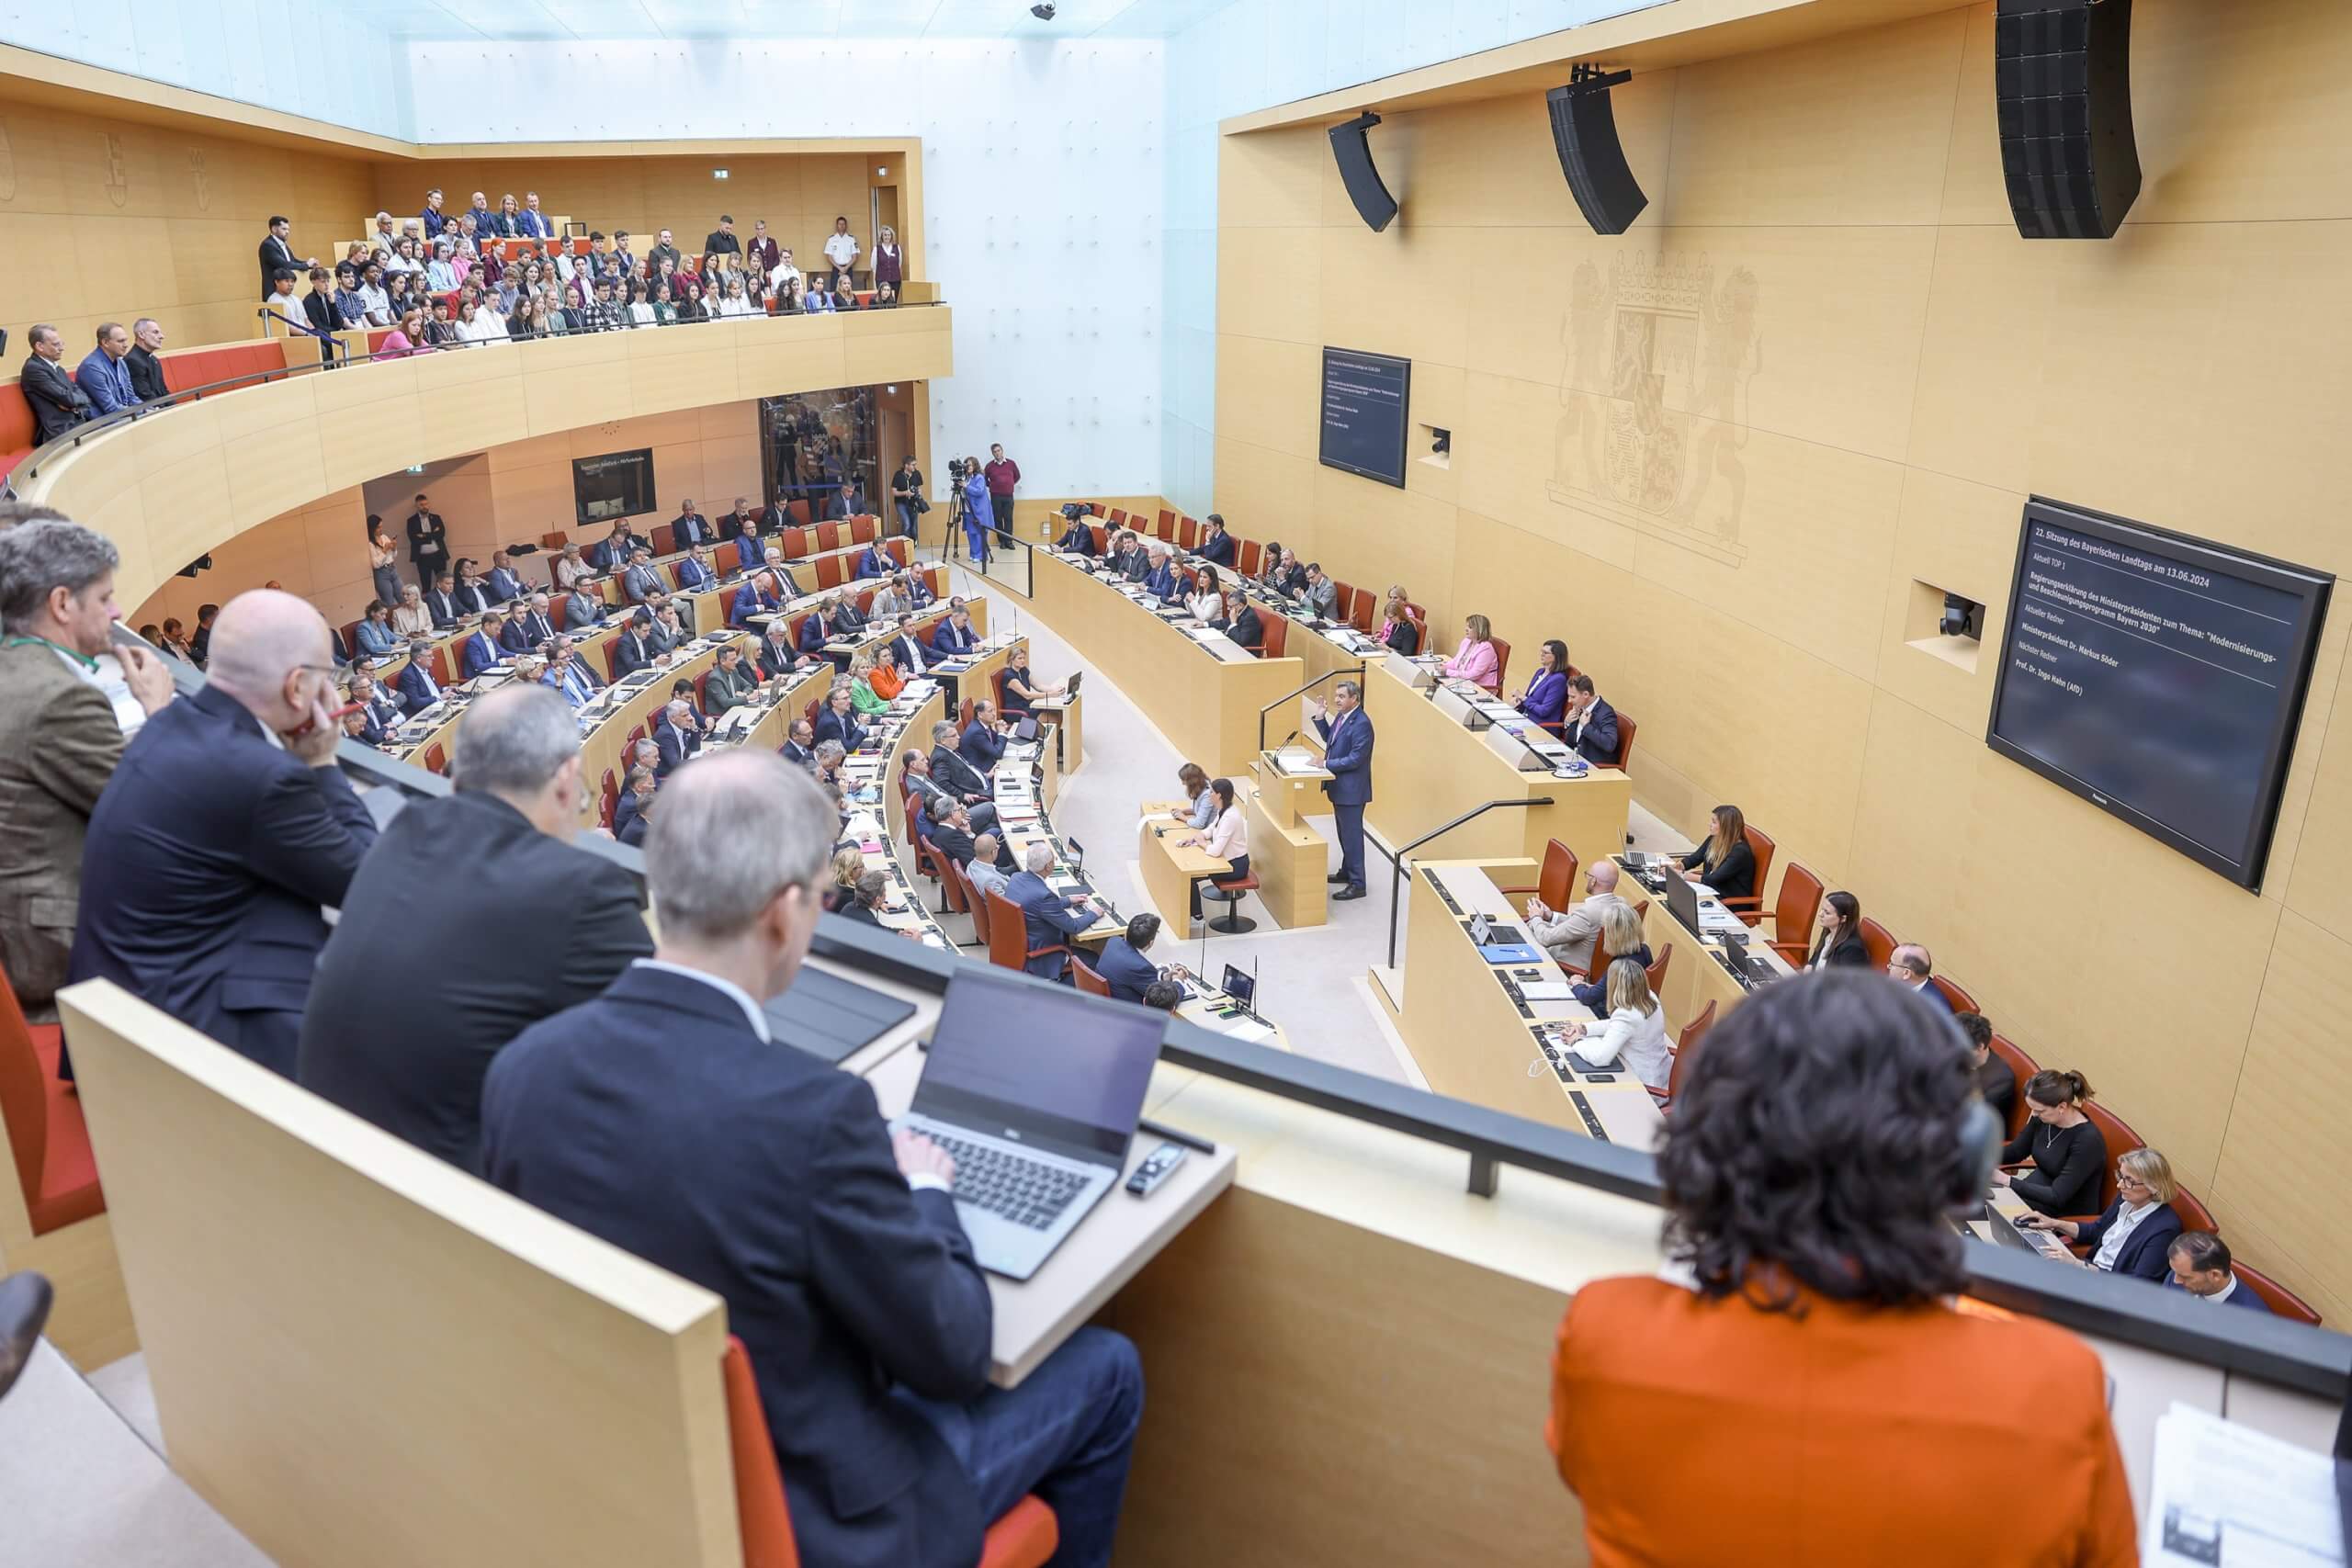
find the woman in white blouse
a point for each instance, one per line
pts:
(1634, 1030)
(736, 302)
(1206, 601)
(1227, 839)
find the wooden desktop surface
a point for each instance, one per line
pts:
(1206, 706)
(1468, 1037)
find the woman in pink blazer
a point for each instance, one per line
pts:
(1475, 660)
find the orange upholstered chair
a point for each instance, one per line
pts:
(18, 432)
(1093, 985)
(1656, 972)
(974, 905)
(1025, 1538)
(1246, 557)
(1686, 1055)
(2281, 1300)
(664, 539)
(861, 530)
(1625, 728)
(436, 761)
(1502, 661)
(829, 571)
(1794, 912)
(608, 800)
(1188, 534)
(1557, 882)
(1954, 993)
(1277, 632)
(2021, 1064)
(2120, 1138)
(1009, 935)
(55, 1169)
(1878, 942)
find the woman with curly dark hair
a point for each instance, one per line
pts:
(1800, 1395)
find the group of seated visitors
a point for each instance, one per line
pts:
(439, 282)
(120, 372)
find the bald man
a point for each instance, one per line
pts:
(1568, 934)
(226, 829)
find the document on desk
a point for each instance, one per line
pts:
(2223, 1493)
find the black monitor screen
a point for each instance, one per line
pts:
(1242, 988)
(618, 484)
(2161, 678)
(1365, 397)
(1077, 1066)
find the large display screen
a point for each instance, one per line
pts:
(1364, 401)
(618, 484)
(2161, 678)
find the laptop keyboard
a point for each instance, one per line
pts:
(1028, 1192)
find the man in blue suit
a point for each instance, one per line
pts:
(690, 527)
(1050, 918)
(570, 674)
(505, 583)
(2198, 1262)
(954, 637)
(875, 562)
(480, 648)
(418, 689)
(674, 737)
(1588, 723)
(104, 376)
(837, 721)
(1347, 754)
(756, 597)
(816, 629)
(1218, 549)
(633, 650)
(694, 573)
(1910, 965)
(1122, 964)
(770, 1178)
(224, 830)
(513, 633)
(749, 552)
(983, 743)
(1161, 581)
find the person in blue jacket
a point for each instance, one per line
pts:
(978, 513)
(1547, 696)
(1347, 755)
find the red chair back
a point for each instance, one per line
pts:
(608, 800)
(1360, 616)
(1102, 536)
(1277, 633)
(1502, 660)
(664, 537)
(1245, 558)
(1557, 882)
(861, 530)
(1656, 971)
(1795, 909)
(828, 536)
(950, 885)
(2024, 1067)
(829, 571)
(1093, 985)
(55, 1169)
(1009, 935)
(1686, 1054)
(1625, 728)
(1955, 994)
(2281, 1300)
(1759, 844)
(1119, 516)
(1878, 942)
(759, 1505)
(2194, 1214)
(976, 906)
(1188, 534)
(798, 543)
(436, 761)
(2121, 1139)
(1696, 1030)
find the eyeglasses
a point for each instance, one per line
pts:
(2125, 1178)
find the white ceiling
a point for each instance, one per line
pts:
(561, 20)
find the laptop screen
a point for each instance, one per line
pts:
(1682, 899)
(1031, 1062)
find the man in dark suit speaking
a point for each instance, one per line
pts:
(450, 945)
(224, 831)
(1347, 754)
(663, 1118)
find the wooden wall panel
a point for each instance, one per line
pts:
(1715, 452)
(104, 219)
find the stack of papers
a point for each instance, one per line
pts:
(2221, 1493)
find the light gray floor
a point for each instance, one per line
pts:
(1309, 980)
(79, 1488)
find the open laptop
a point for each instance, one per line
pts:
(1241, 989)
(1500, 945)
(1035, 1091)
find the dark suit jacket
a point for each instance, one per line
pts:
(1127, 971)
(983, 747)
(481, 652)
(630, 823)
(815, 631)
(1934, 998)
(417, 991)
(631, 653)
(1217, 550)
(209, 856)
(442, 607)
(514, 638)
(1248, 630)
(1080, 539)
(1595, 736)
(1050, 920)
(750, 600)
(775, 661)
(800, 756)
(414, 695)
(1850, 953)
(428, 536)
(876, 563)
(690, 528)
(657, 1119)
(1997, 1084)
(146, 374)
(58, 404)
(2244, 1296)
(318, 310)
(674, 747)
(272, 254)
(844, 729)
(1349, 761)
(2144, 1253)
(540, 629)
(694, 576)
(946, 642)
(957, 775)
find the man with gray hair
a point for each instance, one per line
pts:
(57, 404)
(666, 1118)
(146, 369)
(1051, 917)
(675, 737)
(417, 990)
(224, 831)
(60, 737)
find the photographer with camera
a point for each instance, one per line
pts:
(906, 495)
(978, 513)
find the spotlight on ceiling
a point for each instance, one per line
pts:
(1043, 10)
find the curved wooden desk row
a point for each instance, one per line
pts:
(1430, 764)
(171, 486)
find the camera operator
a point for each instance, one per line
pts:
(1002, 474)
(906, 495)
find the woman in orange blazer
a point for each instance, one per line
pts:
(1813, 1398)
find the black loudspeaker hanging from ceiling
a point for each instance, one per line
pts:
(1584, 132)
(2062, 83)
(1374, 204)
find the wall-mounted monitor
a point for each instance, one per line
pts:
(618, 484)
(1364, 401)
(2162, 678)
